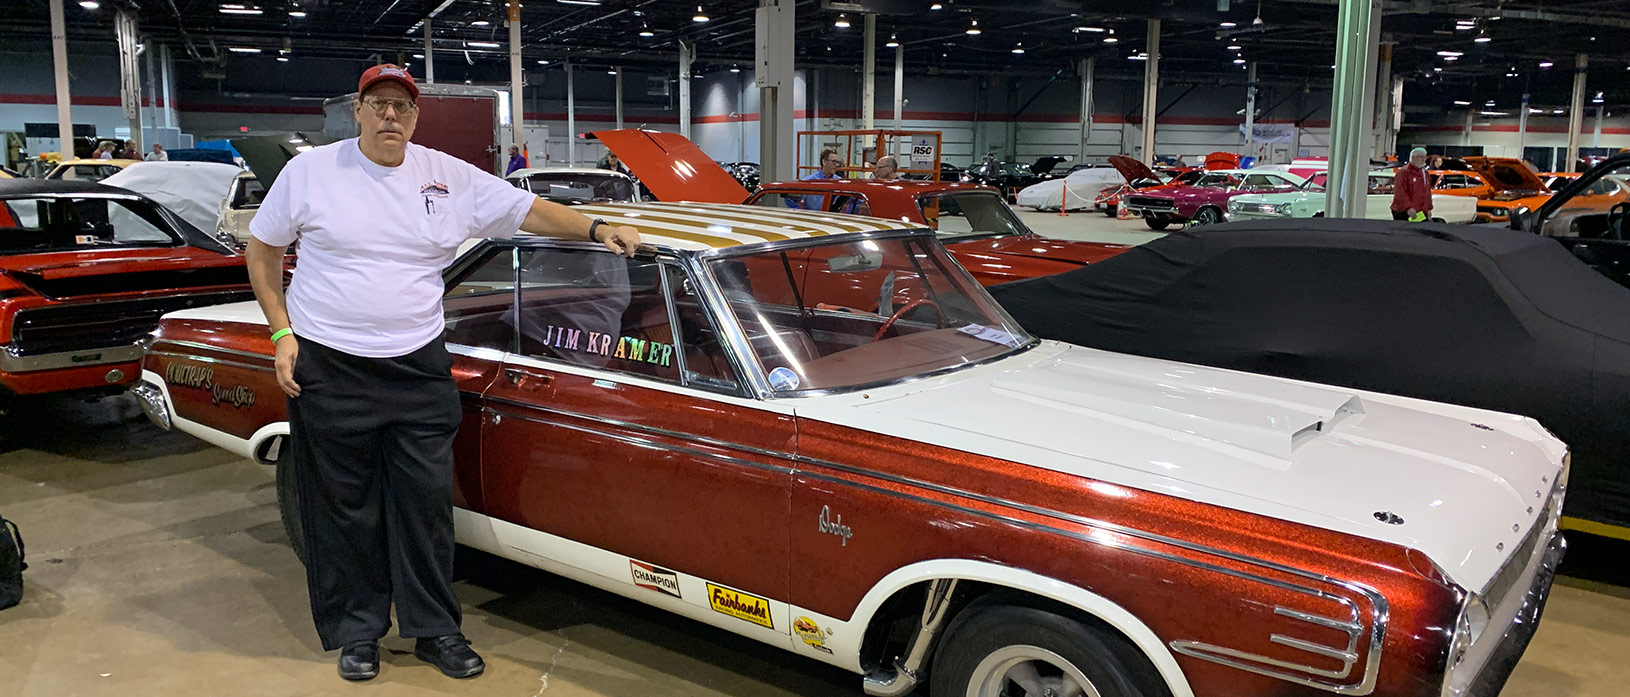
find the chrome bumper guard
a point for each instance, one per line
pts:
(152, 403)
(14, 361)
(1489, 662)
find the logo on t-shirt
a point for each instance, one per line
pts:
(432, 191)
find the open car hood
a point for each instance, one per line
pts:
(1044, 165)
(1507, 174)
(266, 155)
(672, 167)
(1132, 169)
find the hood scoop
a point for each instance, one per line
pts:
(1276, 426)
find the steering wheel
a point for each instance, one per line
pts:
(902, 312)
(1616, 217)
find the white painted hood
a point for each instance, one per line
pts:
(1463, 480)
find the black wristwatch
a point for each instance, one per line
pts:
(592, 225)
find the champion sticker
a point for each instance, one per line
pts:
(654, 578)
(742, 606)
(784, 379)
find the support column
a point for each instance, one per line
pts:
(1250, 109)
(1381, 109)
(619, 97)
(1471, 120)
(517, 112)
(571, 118)
(1087, 67)
(1576, 112)
(1151, 85)
(59, 57)
(1358, 31)
(429, 55)
(1596, 142)
(899, 87)
(868, 77)
(1522, 127)
(687, 53)
(166, 70)
(152, 90)
(773, 37)
(126, 34)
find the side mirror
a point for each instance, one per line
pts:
(1521, 216)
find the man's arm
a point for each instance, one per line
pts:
(553, 219)
(265, 264)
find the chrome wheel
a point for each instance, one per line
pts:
(1207, 216)
(1028, 671)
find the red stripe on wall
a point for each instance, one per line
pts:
(885, 119)
(629, 120)
(76, 100)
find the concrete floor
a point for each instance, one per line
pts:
(1090, 226)
(159, 567)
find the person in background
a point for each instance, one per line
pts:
(104, 151)
(516, 160)
(158, 154)
(129, 153)
(1434, 162)
(887, 168)
(1412, 190)
(612, 162)
(830, 162)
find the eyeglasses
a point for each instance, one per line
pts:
(830, 161)
(403, 107)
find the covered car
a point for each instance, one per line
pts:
(1079, 190)
(191, 189)
(1590, 216)
(1514, 323)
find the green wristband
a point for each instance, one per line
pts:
(281, 333)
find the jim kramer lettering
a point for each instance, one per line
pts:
(624, 347)
(202, 377)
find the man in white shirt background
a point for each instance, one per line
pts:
(158, 154)
(372, 403)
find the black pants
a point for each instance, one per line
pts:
(372, 452)
(1400, 215)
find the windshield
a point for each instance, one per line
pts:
(1218, 179)
(64, 223)
(955, 214)
(862, 312)
(581, 187)
(1015, 169)
(1597, 211)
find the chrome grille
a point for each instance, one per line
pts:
(107, 324)
(1150, 202)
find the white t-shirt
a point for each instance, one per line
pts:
(374, 241)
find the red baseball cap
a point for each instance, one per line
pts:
(387, 71)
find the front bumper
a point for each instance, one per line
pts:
(151, 399)
(1489, 662)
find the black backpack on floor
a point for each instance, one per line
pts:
(11, 564)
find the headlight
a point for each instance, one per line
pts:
(1282, 209)
(1497, 211)
(1233, 206)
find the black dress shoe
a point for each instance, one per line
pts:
(359, 660)
(452, 654)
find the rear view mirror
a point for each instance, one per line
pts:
(851, 263)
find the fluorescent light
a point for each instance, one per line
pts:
(418, 55)
(243, 49)
(893, 42)
(973, 29)
(480, 23)
(843, 21)
(481, 44)
(700, 16)
(1489, 103)
(1492, 113)
(543, 61)
(239, 10)
(1462, 102)
(1138, 57)
(1451, 54)
(1110, 39)
(1481, 39)
(1235, 47)
(936, 6)
(297, 14)
(90, 4)
(282, 59)
(645, 31)
(1094, 30)
(1545, 64)
(1556, 111)
(735, 68)
(1228, 25)
(579, 2)
(1018, 49)
(611, 71)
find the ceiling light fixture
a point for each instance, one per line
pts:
(843, 21)
(480, 23)
(418, 55)
(936, 6)
(611, 71)
(1482, 39)
(645, 30)
(735, 68)
(1235, 47)
(700, 16)
(1094, 30)
(239, 10)
(243, 49)
(973, 29)
(893, 42)
(1258, 21)
(1138, 57)
(282, 59)
(90, 4)
(1239, 61)
(480, 44)
(1019, 48)
(1545, 64)
(297, 14)
(543, 61)
(1451, 54)
(1462, 102)
(1228, 25)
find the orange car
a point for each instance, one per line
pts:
(1500, 184)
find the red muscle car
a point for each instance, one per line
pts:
(1139, 177)
(974, 221)
(1206, 201)
(818, 431)
(85, 272)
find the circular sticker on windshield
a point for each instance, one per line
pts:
(784, 379)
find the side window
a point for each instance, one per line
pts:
(248, 194)
(480, 302)
(854, 204)
(777, 199)
(1259, 181)
(595, 309)
(699, 343)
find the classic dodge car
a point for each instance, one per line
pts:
(819, 432)
(1308, 202)
(85, 272)
(1205, 201)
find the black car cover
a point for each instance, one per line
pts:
(1483, 317)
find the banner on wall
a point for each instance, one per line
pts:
(1269, 132)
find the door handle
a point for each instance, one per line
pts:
(521, 377)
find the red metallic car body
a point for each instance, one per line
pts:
(1204, 202)
(71, 319)
(686, 498)
(674, 169)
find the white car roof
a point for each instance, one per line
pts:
(529, 171)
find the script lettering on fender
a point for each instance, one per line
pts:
(834, 527)
(202, 377)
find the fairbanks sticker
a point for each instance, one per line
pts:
(202, 377)
(811, 634)
(654, 578)
(742, 606)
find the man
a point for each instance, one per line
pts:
(613, 163)
(830, 162)
(371, 399)
(516, 161)
(104, 151)
(887, 168)
(157, 155)
(1411, 190)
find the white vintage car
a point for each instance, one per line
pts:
(1308, 202)
(819, 432)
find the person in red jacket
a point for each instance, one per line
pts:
(1412, 190)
